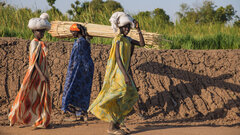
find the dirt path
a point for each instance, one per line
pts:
(100, 129)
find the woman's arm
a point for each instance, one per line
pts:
(42, 76)
(135, 42)
(120, 64)
(33, 47)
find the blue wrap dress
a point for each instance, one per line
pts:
(77, 88)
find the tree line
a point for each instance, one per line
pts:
(207, 13)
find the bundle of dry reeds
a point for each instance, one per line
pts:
(60, 29)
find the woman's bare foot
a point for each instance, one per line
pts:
(114, 129)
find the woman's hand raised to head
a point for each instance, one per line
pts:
(136, 24)
(141, 42)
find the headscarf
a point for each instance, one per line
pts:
(79, 28)
(74, 27)
(119, 19)
(40, 23)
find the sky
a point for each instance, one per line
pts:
(130, 6)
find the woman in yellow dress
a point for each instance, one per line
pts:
(118, 94)
(33, 105)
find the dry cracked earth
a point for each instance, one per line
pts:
(176, 87)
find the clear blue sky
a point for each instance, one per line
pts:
(130, 6)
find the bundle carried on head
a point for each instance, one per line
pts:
(61, 29)
(119, 19)
(40, 23)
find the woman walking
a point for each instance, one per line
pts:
(118, 94)
(33, 102)
(77, 88)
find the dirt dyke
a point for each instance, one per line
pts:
(174, 85)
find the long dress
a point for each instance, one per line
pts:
(78, 84)
(116, 99)
(33, 106)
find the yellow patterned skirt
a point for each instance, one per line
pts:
(116, 99)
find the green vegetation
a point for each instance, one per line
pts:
(202, 28)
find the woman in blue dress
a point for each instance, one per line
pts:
(77, 88)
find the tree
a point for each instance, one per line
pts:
(96, 5)
(160, 14)
(51, 3)
(53, 10)
(237, 22)
(206, 13)
(220, 15)
(157, 16)
(187, 14)
(2, 4)
(184, 9)
(230, 12)
(76, 9)
(225, 14)
(146, 14)
(95, 11)
(113, 6)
